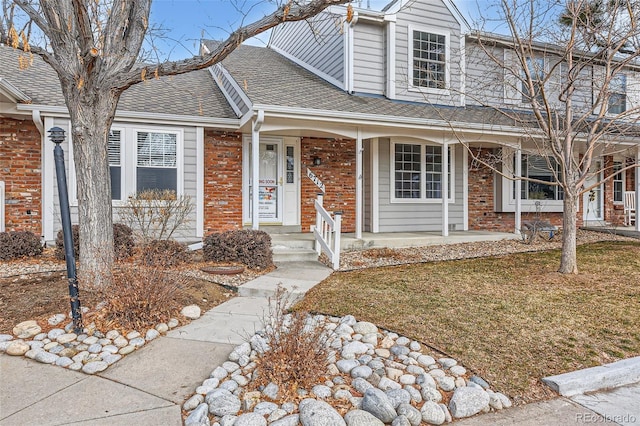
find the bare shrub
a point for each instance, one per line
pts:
(157, 214)
(19, 244)
(141, 297)
(122, 241)
(298, 352)
(250, 247)
(167, 253)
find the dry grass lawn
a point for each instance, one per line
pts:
(511, 319)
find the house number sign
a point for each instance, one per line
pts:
(315, 179)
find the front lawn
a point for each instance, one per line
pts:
(511, 319)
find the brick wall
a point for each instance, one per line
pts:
(482, 214)
(222, 181)
(614, 212)
(20, 169)
(337, 172)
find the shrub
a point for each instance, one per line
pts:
(297, 352)
(250, 247)
(166, 253)
(19, 244)
(141, 297)
(122, 241)
(157, 214)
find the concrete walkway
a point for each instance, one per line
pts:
(148, 386)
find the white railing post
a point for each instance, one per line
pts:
(319, 223)
(336, 241)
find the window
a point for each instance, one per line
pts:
(536, 71)
(537, 167)
(417, 172)
(618, 182)
(429, 60)
(618, 94)
(115, 169)
(156, 161)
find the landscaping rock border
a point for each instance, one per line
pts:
(375, 376)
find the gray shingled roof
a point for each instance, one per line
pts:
(192, 94)
(272, 79)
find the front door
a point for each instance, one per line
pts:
(270, 193)
(593, 200)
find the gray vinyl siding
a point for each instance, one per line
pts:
(432, 16)
(189, 172)
(318, 42)
(369, 58)
(415, 217)
(484, 79)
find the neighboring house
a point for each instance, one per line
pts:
(379, 123)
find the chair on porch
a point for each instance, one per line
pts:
(630, 213)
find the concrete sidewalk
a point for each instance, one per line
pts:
(148, 386)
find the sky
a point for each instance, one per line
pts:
(184, 22)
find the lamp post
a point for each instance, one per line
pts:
(56, 134)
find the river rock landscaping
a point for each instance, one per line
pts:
(375, 377)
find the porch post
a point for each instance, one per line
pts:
(518, 194)
(445, 189)
(637, 189)
(255, 169)
(359, 186)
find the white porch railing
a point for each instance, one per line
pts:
(327, 233)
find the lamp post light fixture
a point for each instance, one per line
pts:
(57, 136)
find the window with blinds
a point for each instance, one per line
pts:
(156, 161)
(115, 167)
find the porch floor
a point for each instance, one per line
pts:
(369, 240)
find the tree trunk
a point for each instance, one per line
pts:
(568, 258)
(92, 113)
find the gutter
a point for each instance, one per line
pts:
(16, 94)
(142, 116)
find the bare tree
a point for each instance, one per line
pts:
(93, 46)
(564, 75)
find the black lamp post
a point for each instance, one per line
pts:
(56, 134)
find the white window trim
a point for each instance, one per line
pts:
(626, 95)
(422, 200)
(447, 75)
(527, 205)
(129, 161)
(545, 70)
(624, 182)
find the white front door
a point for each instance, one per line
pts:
(593, 200)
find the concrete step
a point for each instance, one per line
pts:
(281, 254)
(292, 241)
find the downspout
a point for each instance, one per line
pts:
(255, 164)
(37, 120)
(349, 52)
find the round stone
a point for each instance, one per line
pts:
(50, 345)
(361, 418)
(120, 341)
(162, 328)
(26, 329)
(265, 408)
(151, 334)
(364, 327)
(412, 414)
(111, 358)
(193, 402)
(346, 365)
(76, 366)
(386, 383)
(426, 360)
(36, 344)
(18, 348)
(95, 348)
(173, 323)
(271, 391)
(250, 419)
(430, 394)
(319, 413)
(127, 350)
(137, 342)
(377, 403)
(398, 350)
(402, 341)
(321, 391)
(191, 312)
(458, 370)
(447, 362)
(94, 367)
(68, 352)
(432, 414)
(63, 361)
(57, 349)
(90, 340)
(363, 371)
(39, 337)
(66, 338)
(112, 349)
(5, 337)
(414, 346)
(112, 334)
(407, 379)
(46, 357)
(468, 401)
(222, 402)
(446, 383)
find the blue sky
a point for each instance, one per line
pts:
(187, 21)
